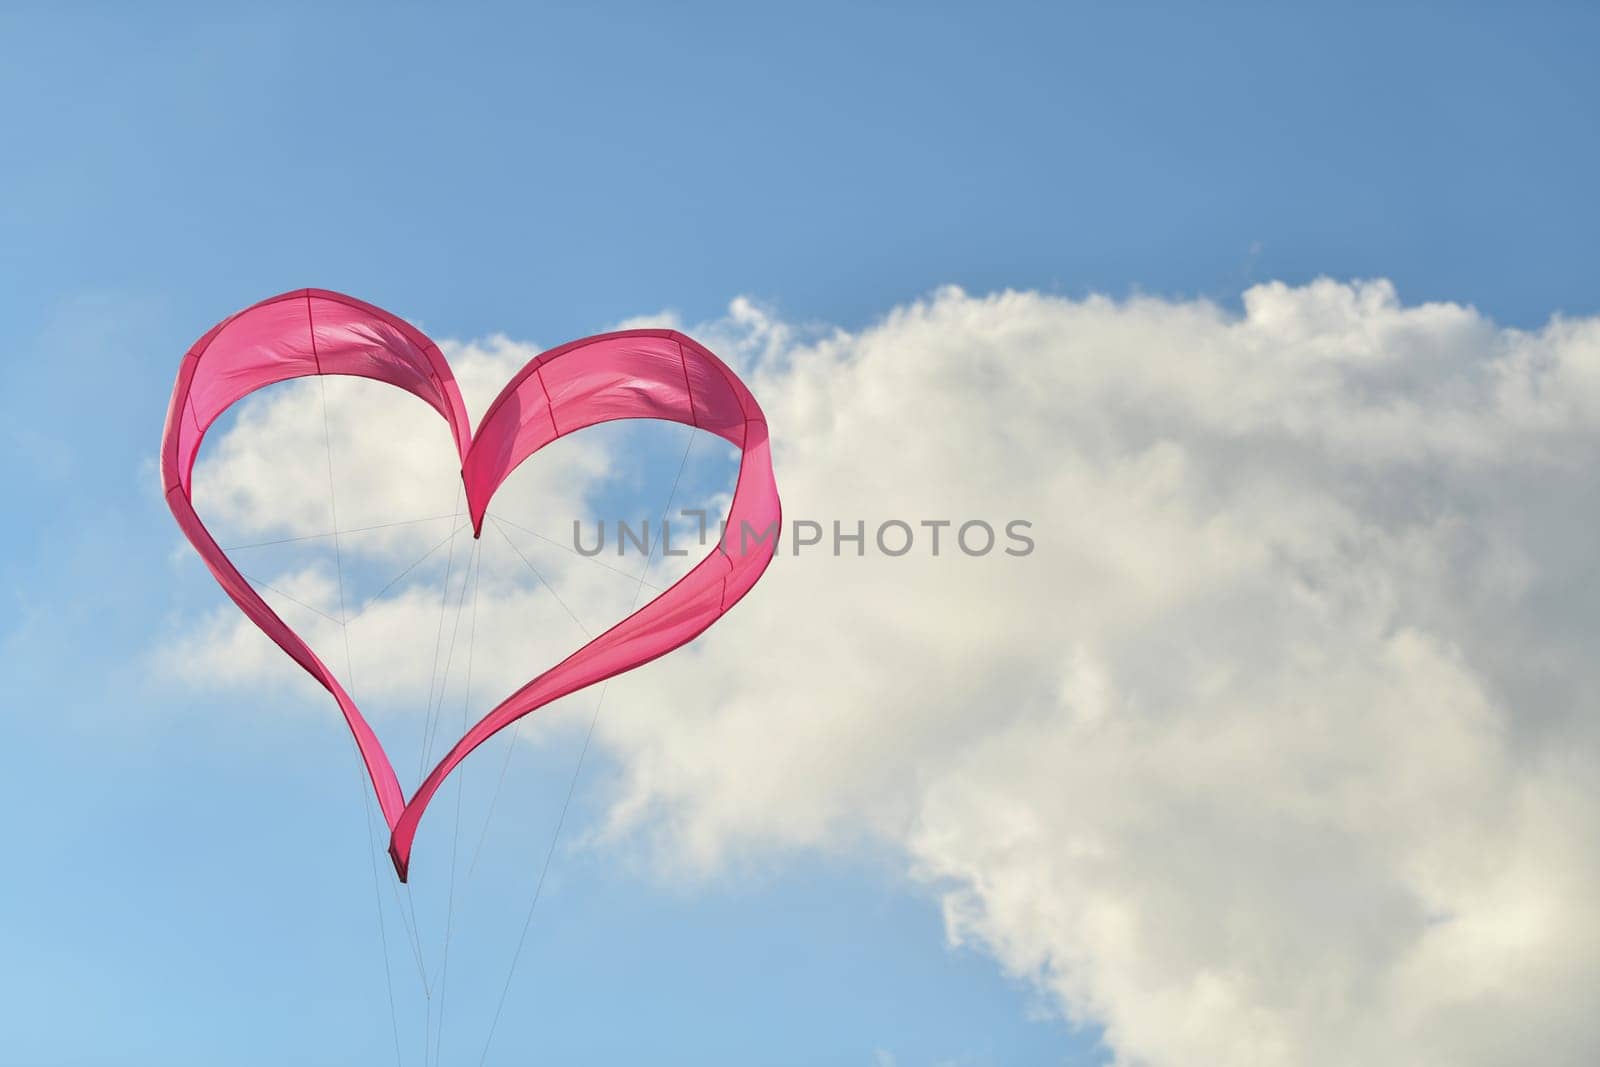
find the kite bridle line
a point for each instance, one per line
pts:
(433, 1039)
(344, 630)
(473, 573)
(577, 769)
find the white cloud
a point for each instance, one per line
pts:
(1278, 747)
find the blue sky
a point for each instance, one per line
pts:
(546, 174)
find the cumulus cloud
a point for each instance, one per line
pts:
(1277, 749)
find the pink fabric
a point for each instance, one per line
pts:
(631, 374)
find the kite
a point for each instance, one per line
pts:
(629, 374)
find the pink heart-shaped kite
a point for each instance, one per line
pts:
(631, 374)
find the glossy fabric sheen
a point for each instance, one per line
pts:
(631, 374)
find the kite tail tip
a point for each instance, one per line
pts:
(474, 512)
(400, 864)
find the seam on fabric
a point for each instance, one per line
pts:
(311, 328)
(734, 384)
(694, 419)
(533, 367)
(550, 407)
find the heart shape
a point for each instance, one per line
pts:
(630, 374)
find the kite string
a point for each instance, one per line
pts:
(405, 907)
(336, 533)
(441, 685)
(595, 558)
(349, 665)
(414, 565)
(438, 639)
(577, 770)
(542, 579)
(431, 731)
(516, 730)
(263, 584)
(466, 704)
